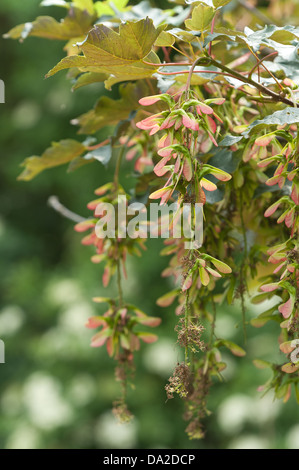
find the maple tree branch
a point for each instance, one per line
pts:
(197, 71)
(275, 96)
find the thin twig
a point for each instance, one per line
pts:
(197, 71)
(212, 31)
(119, 286)
(242, 271)
(54, 202)
(187, 326)
(263, 65)
(180, 52)
(167, 64)
(102, 144)
(190, 73)
(259, 62)
(213, 324)
(226, 71)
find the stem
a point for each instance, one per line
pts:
(242, 280)
(116, 183)
(167, 64)
(213, 324)
(276, 97)
(54, 202)
(181, 52)
(119, 287)
(259, 61)
(243, 304)
(260, 99)
(212, 30)
(118, 164)
(243, 225)
(197, 71)
(210, 343)
(226, 71)
(102, 144)
(190, 73)
(186, 325)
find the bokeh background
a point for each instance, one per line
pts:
(56, 391)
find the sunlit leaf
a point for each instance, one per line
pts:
(202, 16)
(287, 115)
(58, 154)
(104, 47)
(76, 24)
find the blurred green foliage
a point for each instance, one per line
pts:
(56, 391)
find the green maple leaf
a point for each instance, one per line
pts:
(58, 154)
(76, 24)
(108, 50)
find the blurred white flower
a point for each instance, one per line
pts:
(12, 318)
(161, 357)
(45, 405)
(249, 441)
(113, 435)
(233, 413)
(75, 317)
(26, 115)
(292, 438)
(82, 389)
(24, 437)
(237, 410)
(264, 409)
(64, 292)
(62, 343)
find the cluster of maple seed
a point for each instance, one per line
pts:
(110, 250)
(117, 328)
(117, 324)
(286, 170)
(284, 255)
(178, 148)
